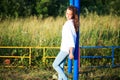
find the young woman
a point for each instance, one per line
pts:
(69, 31)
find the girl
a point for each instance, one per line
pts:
(69, 30)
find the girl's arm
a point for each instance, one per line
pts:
(71, 56)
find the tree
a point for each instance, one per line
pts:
(45, 8)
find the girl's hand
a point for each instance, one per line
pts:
(71, 56)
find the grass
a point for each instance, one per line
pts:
(95, 30)
(25, 74)
(33, 73)
(100, 30)
(32, 31)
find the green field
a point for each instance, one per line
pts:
(95, 30)
(47, 73)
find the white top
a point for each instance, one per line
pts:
(68, 36)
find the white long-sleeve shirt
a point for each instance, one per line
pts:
(68, 36)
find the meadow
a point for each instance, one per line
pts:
(33, 31)
(95, 30)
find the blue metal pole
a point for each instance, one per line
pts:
(76, 55)
(113, 56)
(71, 2)
(69, 66)
(69, 60)
(75, 3)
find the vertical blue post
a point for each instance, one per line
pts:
(75, 3)
(112, 56)
(76, 54)
(69, 60)
(71, 2)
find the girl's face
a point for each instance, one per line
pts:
(69, 14)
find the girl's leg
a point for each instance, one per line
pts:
(62, 67)
(58, 64)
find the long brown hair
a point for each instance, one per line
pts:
(75, 17)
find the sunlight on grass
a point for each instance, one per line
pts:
(32, 31)
(95, 30)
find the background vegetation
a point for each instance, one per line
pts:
(95, 30)
(45, 8)
(39, 23)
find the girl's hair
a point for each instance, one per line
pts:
(75, 17)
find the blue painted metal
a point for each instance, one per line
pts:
(75, 3)
(108, 57)
(112, 56)
(76, 54)
(69, 66)
(95, 57)
(69, 60)
(71, 2)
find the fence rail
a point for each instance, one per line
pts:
(29, 57)
(46, 56)
(108, 57)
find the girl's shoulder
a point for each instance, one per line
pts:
(69, 22)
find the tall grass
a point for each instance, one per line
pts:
(100, 30)
(94, 31)
(32, 31)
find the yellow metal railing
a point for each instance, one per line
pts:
(29, 52)
(44, 53)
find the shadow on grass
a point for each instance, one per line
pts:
(46, 74)
(100, 74)
(25, 74)
(110, 77)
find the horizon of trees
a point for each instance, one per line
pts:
(46, 8)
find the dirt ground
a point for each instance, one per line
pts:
(50, 74)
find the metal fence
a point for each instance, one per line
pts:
(29, 57)
(45, 56)
(99, 57)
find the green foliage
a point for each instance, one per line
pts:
(101, 7)
(115, 7)
(95, 30)
(46, 8)
(25, 8)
